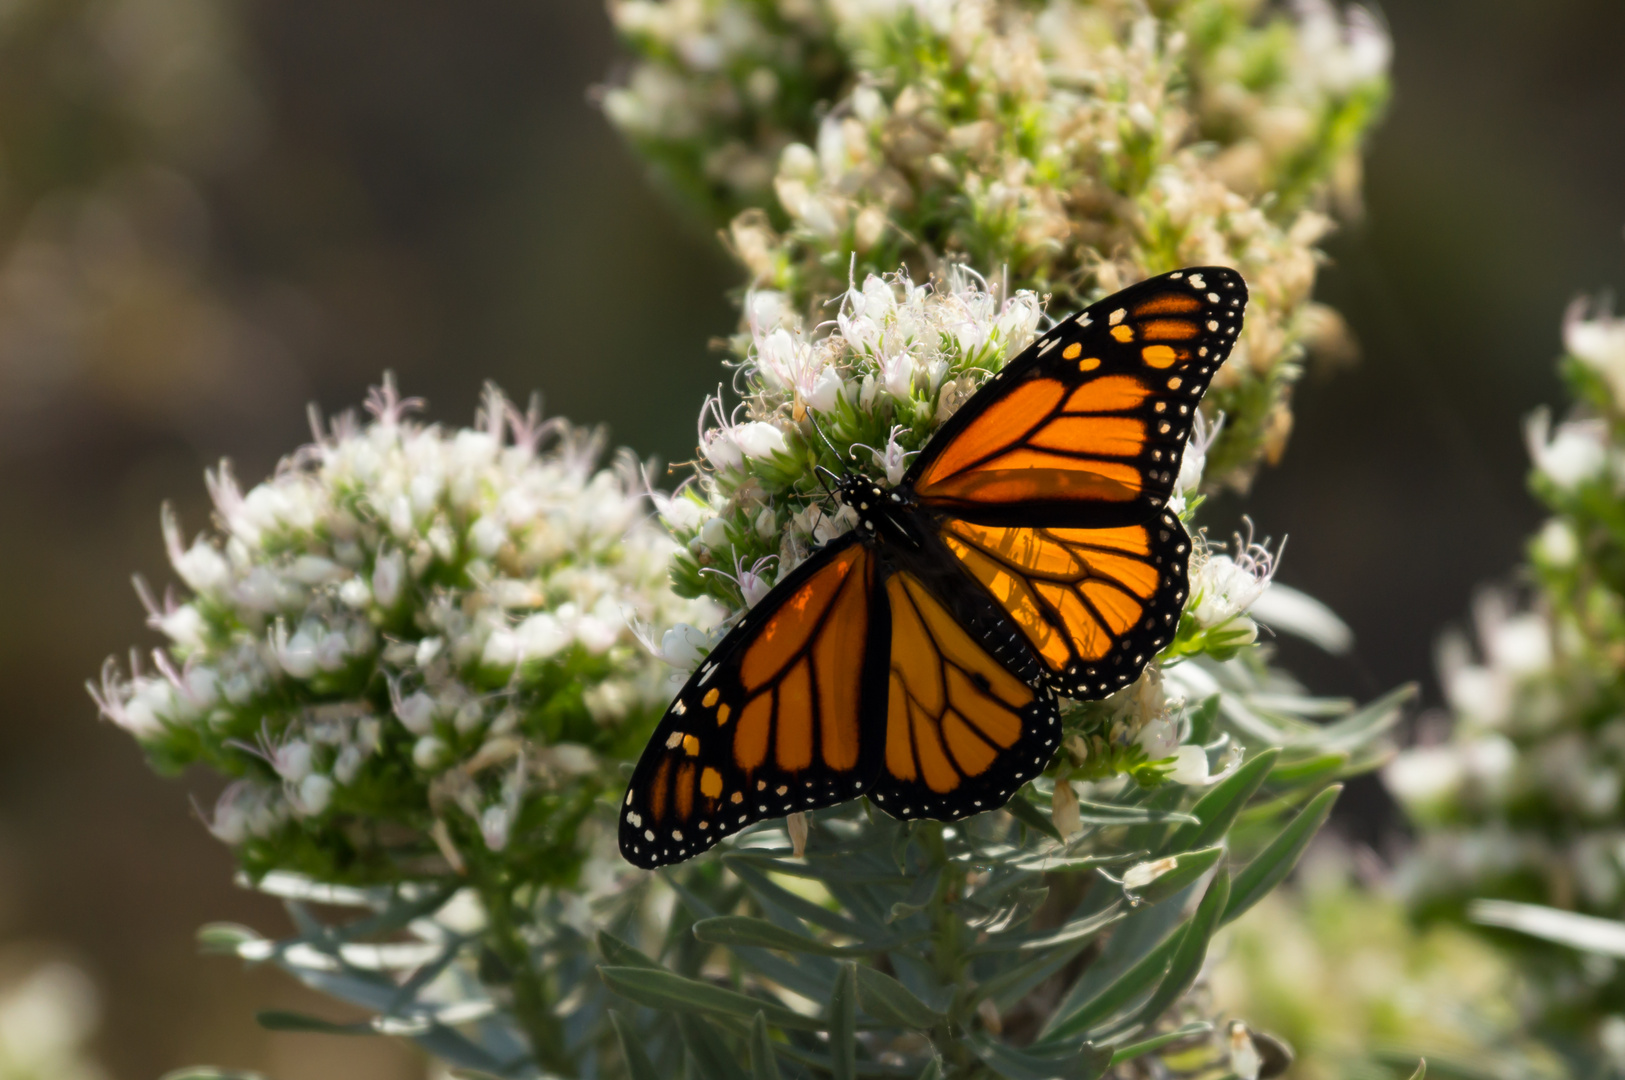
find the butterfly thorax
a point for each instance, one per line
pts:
(884, 513)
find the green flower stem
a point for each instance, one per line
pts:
(532, 1004)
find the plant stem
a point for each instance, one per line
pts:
(531, 1007)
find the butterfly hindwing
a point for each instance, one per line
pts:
(967, 719)
(1094, 605)
(1087, 427)
(774, 719)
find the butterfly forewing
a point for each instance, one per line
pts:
(1087, 427)
(775, 719)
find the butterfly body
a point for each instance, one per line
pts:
(1028, 552)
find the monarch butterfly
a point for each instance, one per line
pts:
(1027, 552)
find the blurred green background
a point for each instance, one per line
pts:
(215, 211)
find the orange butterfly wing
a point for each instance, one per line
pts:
(964, 728)
(1093, 604)
(772, 722)
(1087, 427)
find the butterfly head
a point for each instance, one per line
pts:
(876, 505)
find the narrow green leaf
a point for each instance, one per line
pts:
(889, 1001)
(209, 1072)
(660, 989)
(1092, 999)
(1187, 868)
(283, 1020)
(1032, 817)
(763, 1065)
(1369, 721)
(1140, 1049)
(1014, 983)
(1309, 769)
(708, 1050)
(638, 1065)
(1096, 813)
(1202, 718)
(1086, 928)
(932, 1070)
(770, 892)
(843, 1024)
(1186, 962)
(743, 930)
(619, 954)
(1421, 1069)
(1270, 866)
(1219, 807)
(224, 938)
(1073, 1063)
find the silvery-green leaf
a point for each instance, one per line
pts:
(1271, 865)
(708, 1050)
(772, 893)
(619, 953)
(736, 930)
(667, 990)
(1073, 1063)
(1216, 810)
(1185, 963)
(638, 1065)
(1157, 1042)
(763, 1065)
(1084, 928)
(1029, 815)
(889, 1001)
(1184, 870)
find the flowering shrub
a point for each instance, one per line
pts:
(1522, 800)
(411, 651)
(417, 652)
(1072, 149)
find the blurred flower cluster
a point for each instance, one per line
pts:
(411, 648)
(1071, 149)
(1334, 967)
(1519, 798)
(48, 1011)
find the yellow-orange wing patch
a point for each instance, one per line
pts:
(962, 731)
(1087, 428)
(771, 721)
(1093, 604)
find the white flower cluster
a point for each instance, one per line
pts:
(48, 1013)
(1524, 797)
(1079, 147)
(864, 391)
(407, 624)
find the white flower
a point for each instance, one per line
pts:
(428, 752)
(1224, 586)
(760, 441)
(1190, 766)
(1576, 453)
(1556, 544)
(684, 646)
(416, 713)
(1245, 1061)
(1203, 435)
(315, 792)
(1425, 778)
(1599, 343)
(1160, 739)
